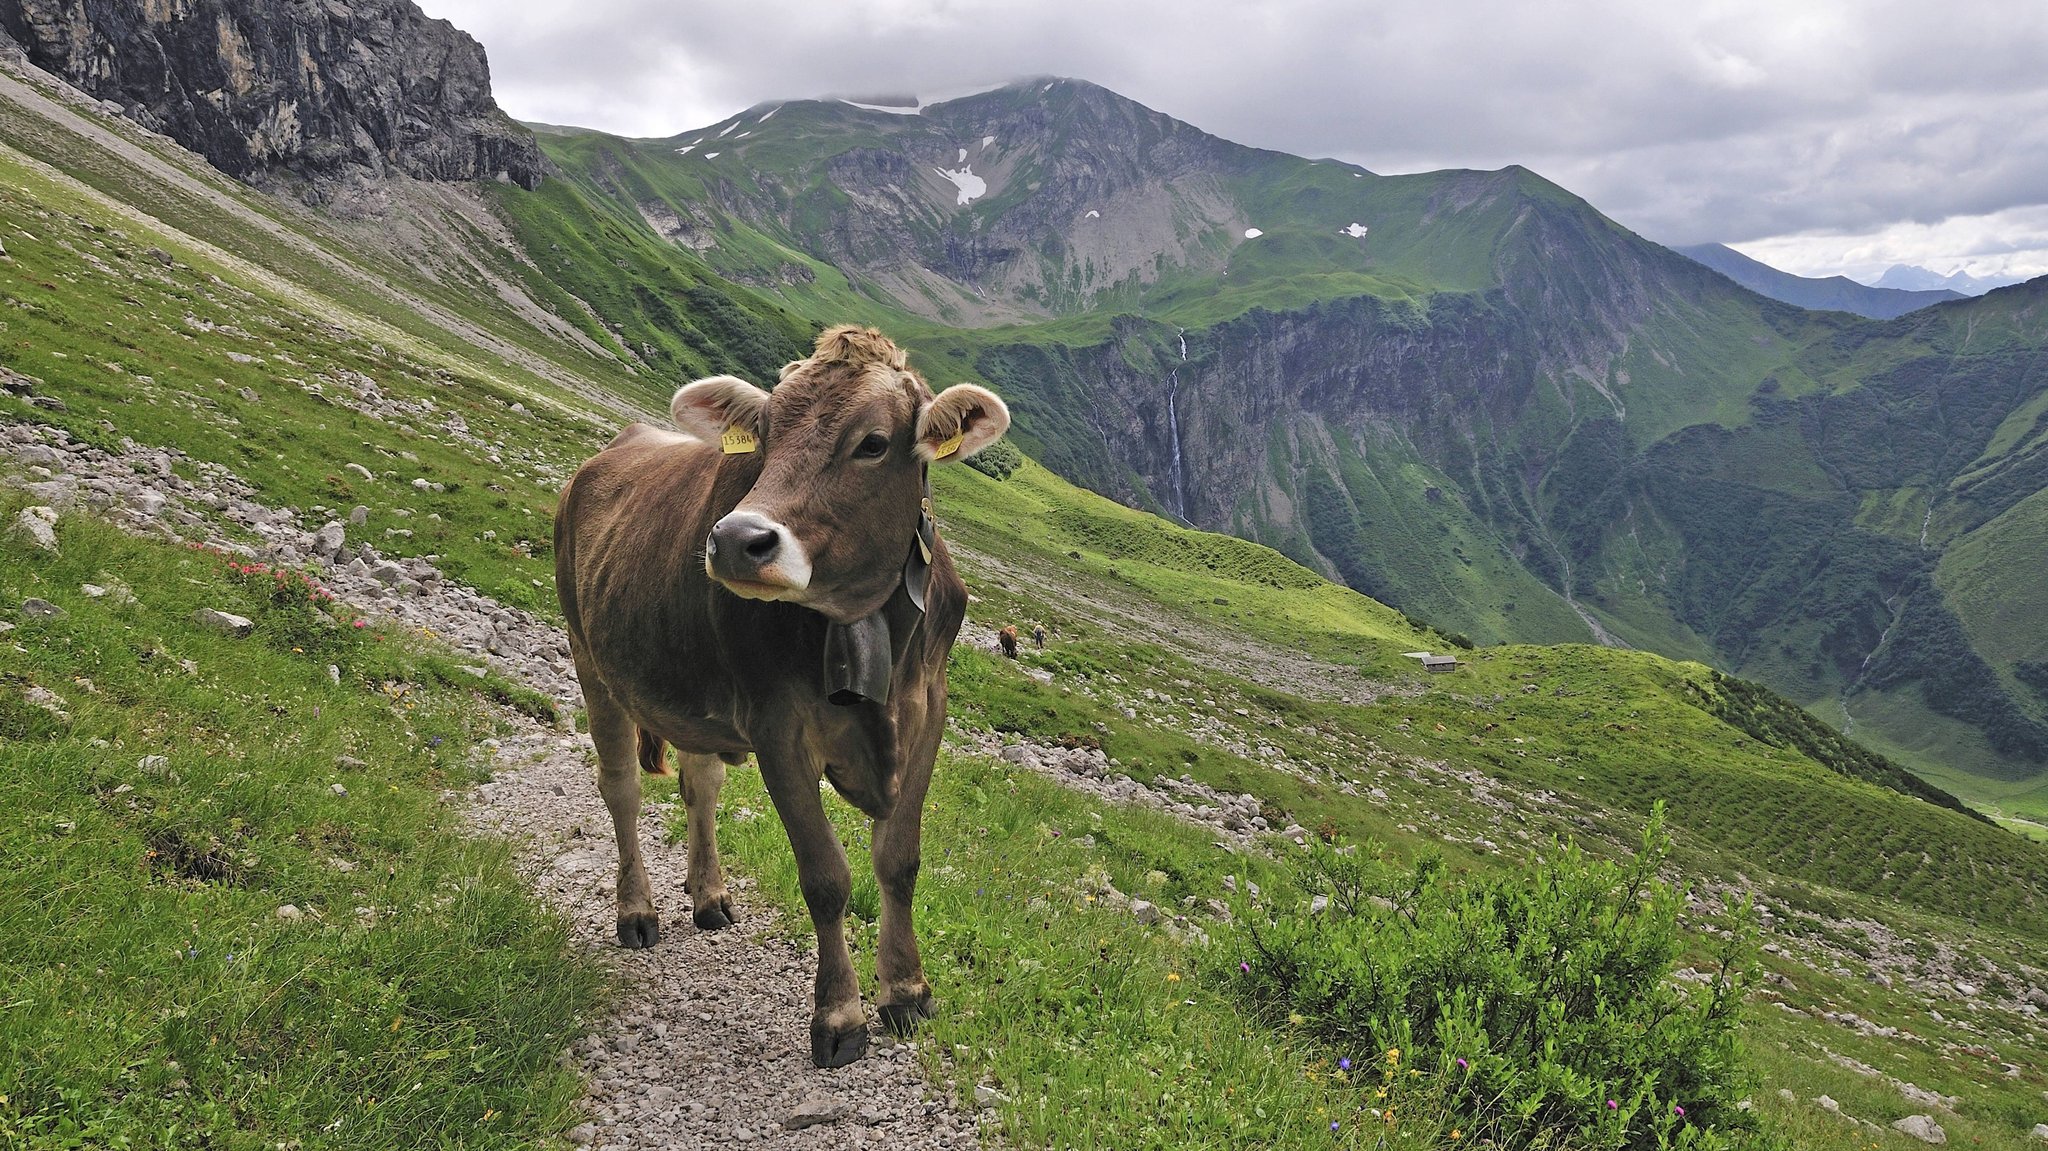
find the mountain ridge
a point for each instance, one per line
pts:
(1516, 371)
(1837, 293)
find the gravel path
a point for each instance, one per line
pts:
(707, 1044)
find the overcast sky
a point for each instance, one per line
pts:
(1821, 136)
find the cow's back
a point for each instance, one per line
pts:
(629, 537)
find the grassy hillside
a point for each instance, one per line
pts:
(1174, 653)
(236, 911)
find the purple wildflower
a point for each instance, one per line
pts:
(1343, 1064)
(1613, 1106)
(1678, 1111)
(1463, 1065)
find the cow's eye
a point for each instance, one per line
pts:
(872, 447)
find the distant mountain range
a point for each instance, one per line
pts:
(1467, 394)
(1830, 293)
(1909, 278)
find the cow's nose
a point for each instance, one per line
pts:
(744, 541)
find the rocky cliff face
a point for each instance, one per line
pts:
(304, 91)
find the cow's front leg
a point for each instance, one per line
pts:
(618, 780)
(839, 1027)
(710, 904)
(904, 996)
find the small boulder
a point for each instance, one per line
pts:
(2040, 1132)
(328, 540)
(1144, 912)
(359, 515)
(35, 608)
(38, 525)
(1921, 1127)
(816, 1110)
(289, 911)
(986, 1097)
(226, 623)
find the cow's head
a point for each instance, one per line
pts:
(844, 437)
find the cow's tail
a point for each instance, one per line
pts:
(654, 754)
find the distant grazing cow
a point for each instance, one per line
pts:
(772, 582)
(1007, 640)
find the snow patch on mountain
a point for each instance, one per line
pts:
(970, 185)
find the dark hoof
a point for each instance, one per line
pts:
(903, 1018)
(828, 1050)
(715, 915)
(641, 930)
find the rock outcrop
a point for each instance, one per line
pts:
(288, 91)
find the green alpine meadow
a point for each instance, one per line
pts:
(1502, 683)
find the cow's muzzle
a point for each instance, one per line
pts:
(756, 557)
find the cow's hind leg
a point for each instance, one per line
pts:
(618, 780)
(905, 998)
(710, 905)
(839, 1026)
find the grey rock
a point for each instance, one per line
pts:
(38, 525)
(583, 1134)
(1921, 1127)
(35, 608)
(2040, 1132)
(815, 1110)
(327, 542)
(1144, 912)
(290, 912)
(360, 471)
(227, 623)
(315, 91)
(986, 1097)
(358, 515)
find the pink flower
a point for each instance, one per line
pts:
(362, 623)
(1613, 1106)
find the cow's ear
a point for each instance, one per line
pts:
(707, 408)
(963, 420)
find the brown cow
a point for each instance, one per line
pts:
(785, 596)
(1007, 640)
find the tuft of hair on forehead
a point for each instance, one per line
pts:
(856, 346)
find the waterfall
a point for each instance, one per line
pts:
(1180, 494)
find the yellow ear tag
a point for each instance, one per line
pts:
(949, 447)
(738, 441)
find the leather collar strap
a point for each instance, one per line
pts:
(860, 656)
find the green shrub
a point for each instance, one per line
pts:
(998, 460)
(1532, 1008)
